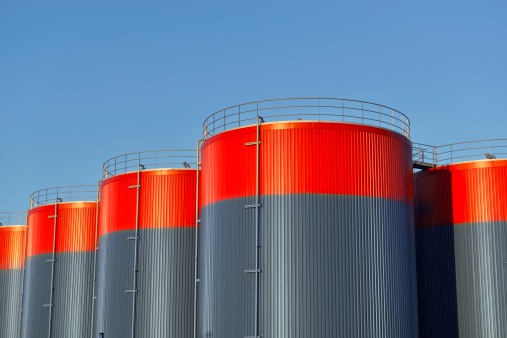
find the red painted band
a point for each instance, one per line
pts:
(308, 157)
(167, 200)
(12, 247)
(461, 193)
(76, 226)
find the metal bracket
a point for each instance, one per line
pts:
(248, 206)
(130, 291)
(50, 260)
(253, 271)
(135, 238)
(253, 143)
(53, 216)
(134, 186)
(48, 305)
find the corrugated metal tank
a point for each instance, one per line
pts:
(57, 298)
(461, 222)
(12, 259)
(336, 251)
(160, 303)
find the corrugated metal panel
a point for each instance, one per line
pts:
(462, 231)
(75, 229)
(164, 305)
(164, 301)
(328, 158)
(461, 193)
(332, 266)
(10, 302)
(337, 246)
(481, 279)
(12, 242)
(433, 198)
(73, 272)
(167, 200)
(12, 252)
(72, 296)
(436, 282)
(37, 282)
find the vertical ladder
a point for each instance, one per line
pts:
(134, 290)
(96, 249)
(52, 261)
(257, 207)
(23, 274)
(197, 223)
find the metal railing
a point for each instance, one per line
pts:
(12, 218)
(460, 152)
(424, 153)
(63, 194)
(152, 159)
(314, 109)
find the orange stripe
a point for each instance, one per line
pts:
(308, 157)
(167, 200)
(462, 193)
(75, 228)
(12, 244)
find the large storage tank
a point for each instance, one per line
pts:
(461, 222)
(57, 298)
(307, 225)
(12, 258)
(145, 265)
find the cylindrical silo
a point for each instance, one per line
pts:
(461, 236)
(57, 297)
(145, 264)
(12, 258)
(307, 225)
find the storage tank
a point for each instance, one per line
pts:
(145, 264)
(307, 221)
(461, 232)
(57, 298)
(12, 260)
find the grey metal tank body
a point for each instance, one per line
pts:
(164, 305)
(332, 266)
(462, 278)
(11, 282)
(72, 296)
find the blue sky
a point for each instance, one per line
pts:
(83, 81)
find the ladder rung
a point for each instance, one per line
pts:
(53, 216)
(252, 271)
(248, 206)
(133, 238)
(50, 260)
(198, 221)
(252, 143)
(130, 291)
(47, 305)
(134, 186)
(252, 337)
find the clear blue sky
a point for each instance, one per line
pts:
(83, 81)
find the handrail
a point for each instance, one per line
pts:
(308, 108)
(460, 151)
(150, 159)
(64, 194)
(9, 218)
